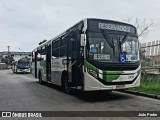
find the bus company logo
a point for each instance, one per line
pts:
(114, 27)
(21, 114)
(6, 114)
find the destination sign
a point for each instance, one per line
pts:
(98, 25)
(116, 27)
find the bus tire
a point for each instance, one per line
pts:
(65, 86)
(40, 78)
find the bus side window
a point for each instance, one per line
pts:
(55, 53)
(64, 41)
(63, 51)
(63, 47)
(43, 54)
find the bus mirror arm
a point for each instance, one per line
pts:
(83, 40)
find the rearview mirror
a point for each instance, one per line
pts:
(83, 40)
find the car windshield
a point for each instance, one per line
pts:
(112, 47)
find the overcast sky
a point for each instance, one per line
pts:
(24, 23)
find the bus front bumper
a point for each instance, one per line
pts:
(23, 70)
(92, 83)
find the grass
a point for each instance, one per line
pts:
(149, 85)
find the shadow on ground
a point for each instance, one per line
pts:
(93, 96)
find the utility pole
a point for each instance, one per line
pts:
(8, 54)
(22, 53)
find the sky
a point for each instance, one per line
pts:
(24, 23)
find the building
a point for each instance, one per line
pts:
(152, 51)
(16, 55)
(3, 66)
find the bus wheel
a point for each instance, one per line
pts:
(40, 79)
(65, 86)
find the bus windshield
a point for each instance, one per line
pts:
(23, 64)
(111, 47)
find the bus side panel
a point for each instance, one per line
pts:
(56, 70)
(90, 83)
(136, 83)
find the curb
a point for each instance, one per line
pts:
(142, 94)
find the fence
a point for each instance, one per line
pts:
(150, 83)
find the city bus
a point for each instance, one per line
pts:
(21, 66)
(94, 54)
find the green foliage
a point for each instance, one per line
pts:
(145, 63)
(5, 60)
(149, 84)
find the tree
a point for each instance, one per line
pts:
(143, 26)
(143, 29)
(5, 60)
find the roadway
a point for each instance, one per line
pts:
(22, 92)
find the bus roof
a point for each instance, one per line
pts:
(84, 21)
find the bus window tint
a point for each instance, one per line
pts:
(63, 51)
(130, 46)
(55, 53)
(99, 49)
(23, 64)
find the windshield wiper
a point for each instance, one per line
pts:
(124, 39)
(108, 39)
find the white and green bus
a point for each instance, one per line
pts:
(94, 54)
(21, 66)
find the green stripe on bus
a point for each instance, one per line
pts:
(89, 66)
(107, 78)
(110, 78)
(113, 72)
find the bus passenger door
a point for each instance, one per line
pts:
(48, 63)
(74, 66)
